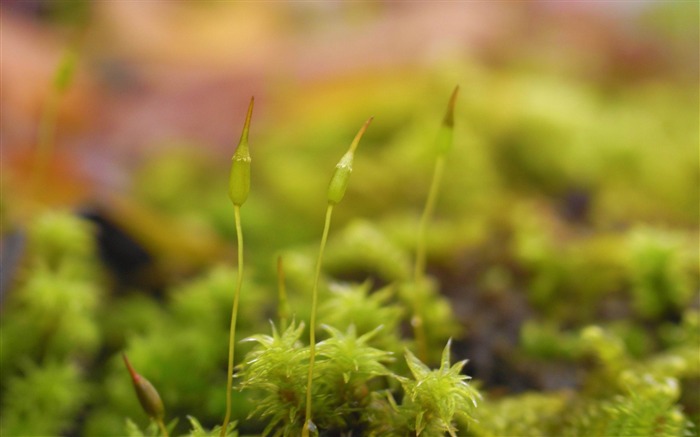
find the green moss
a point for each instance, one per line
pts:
(43, 400)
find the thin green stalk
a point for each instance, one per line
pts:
(44, 150)
(161, 426)
(47, 124)
(234, 316)
(312, 324)
(283, 310)
(419, 268)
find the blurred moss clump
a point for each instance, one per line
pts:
(50, 331)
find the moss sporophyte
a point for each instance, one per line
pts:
(443, 144)
(239, 187)
(148, 397)
(336, 191)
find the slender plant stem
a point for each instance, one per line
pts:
(283, 310)
(419, 267)
(234, 315)
(45, 141)
(161, 425)
(312, 324)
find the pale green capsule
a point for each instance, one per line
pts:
(340, 178)
(341, 174)
(446, 132)
(239, 177)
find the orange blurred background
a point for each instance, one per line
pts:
(154, 73)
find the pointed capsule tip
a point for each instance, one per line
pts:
(250, 109)
(248, 117)
(134, 376)
(449, 115)
(359, 135)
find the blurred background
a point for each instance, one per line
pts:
(575, 156)
(155, 75)
(589, 106)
